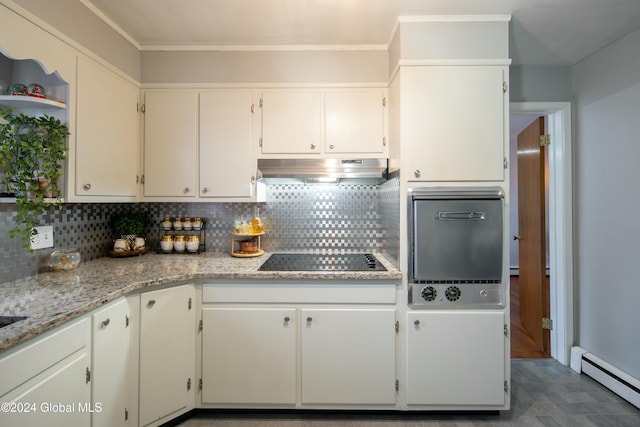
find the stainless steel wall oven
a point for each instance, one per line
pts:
(456, 247)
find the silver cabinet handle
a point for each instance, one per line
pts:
(287, 319)
(416, 322)
(87, 187)
(205, 190)
(186, 190)
(417, 173)
(105, 323)
(313, 146)
(517, 237)
(331, 147)
(151, 303)
(309, 319)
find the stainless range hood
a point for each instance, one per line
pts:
(321, 169)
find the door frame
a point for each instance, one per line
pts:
(560, 209)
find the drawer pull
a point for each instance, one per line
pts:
(105, 323)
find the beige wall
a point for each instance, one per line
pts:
(284, 67)
(75, 21)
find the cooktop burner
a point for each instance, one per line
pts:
(321, 262)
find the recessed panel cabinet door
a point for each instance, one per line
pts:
(170, 144)
(354, 121)
(454, 122)
(291, 122)
(227, 166)
(456, 358)
(110, 354)
(167, 353)
(348, 356)
(249, 355)
(107, 137)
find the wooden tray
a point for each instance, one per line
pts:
(124, 254)
(247, 254)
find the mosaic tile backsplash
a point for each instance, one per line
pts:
(297, 217)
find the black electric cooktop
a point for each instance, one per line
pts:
(321, 262)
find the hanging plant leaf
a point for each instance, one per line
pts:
(32, 150)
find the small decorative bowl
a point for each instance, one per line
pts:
(64, 259)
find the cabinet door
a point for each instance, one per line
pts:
(107, 137)
(227, 166)
(354, 122)
(456, 358)
(110, 354)
(50, 379)
(348, 356)
(170, 144)
(291, 122)
(249, 355)
(167, 353)
(454, 122)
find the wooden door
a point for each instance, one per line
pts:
(532, 232)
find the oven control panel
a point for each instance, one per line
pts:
(456, 295)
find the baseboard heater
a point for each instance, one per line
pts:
(621, 383)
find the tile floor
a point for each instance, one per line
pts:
(544, 393)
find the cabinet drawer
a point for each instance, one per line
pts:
(311, 292)
(25, 362)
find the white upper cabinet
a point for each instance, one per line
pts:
(170, 144)
(354, 121)
(227, 166)
(291, 122)
(107, 136)
(329, 123)
(454, 122)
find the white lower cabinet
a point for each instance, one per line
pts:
(167, 354)
(311, 345)
(456, 358)
(47, 382)
(110, 361)
(348, 356)
(249, 355)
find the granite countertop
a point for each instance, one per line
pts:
(50, 299)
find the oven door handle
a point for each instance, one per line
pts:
(450, 216)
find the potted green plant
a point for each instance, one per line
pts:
(129, 225)
(32, 150)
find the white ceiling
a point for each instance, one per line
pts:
(542, 32)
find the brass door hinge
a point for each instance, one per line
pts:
(397, 385)
(384, 101)
(87, 375)
(506, 330)
(200, 326)
(397, 326)
(547, 323)
(505, 87)
(545, 140)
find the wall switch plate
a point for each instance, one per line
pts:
(43, 238)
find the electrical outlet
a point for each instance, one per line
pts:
(43, 238)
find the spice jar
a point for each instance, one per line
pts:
(193, 243)
(177, 223)
(166, 243)
(179, 243)
(166, 223)
(186, 224)
(196, 223)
